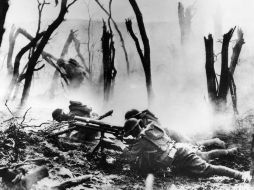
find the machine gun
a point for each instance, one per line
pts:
(95, 124)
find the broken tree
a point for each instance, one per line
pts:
(109, 71)
(145, 57)
(17, 76)
(80, 68)
(118, 31)
(32, 62)
(217, 91)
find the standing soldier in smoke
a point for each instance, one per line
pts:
(73, 72)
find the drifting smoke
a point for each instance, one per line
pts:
(178, 73)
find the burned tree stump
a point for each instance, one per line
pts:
(217, 92)
(109, 71)
(236, 51)
(224, 77)
(209, 66)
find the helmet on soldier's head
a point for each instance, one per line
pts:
(61, 62)
(130, 125)
(56, 114)
(73, 62)
(131, 113)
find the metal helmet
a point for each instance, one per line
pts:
(57, 114)
(130, 125)
(131, 113)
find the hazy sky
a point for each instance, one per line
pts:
(153, 10)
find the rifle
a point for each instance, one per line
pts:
(97, 125)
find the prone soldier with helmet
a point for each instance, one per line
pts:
(77, 109)
(155, 149)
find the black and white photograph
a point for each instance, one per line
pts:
(126, 94)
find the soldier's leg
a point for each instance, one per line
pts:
(223, 171)
(216, 153)
(187, 161)
(210, 142)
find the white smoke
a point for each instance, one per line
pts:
(178, 73)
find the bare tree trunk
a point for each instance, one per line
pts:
(35, 56)
(218, 92)
(120, 36)
(224, 77)
(4, 6)
(234, 60)
(209, 66)
(12, 39)
(17, 76)
(20, 54)
(236, 51)
(145, 57)
(88, 47)
(109, 71)
(66, 45)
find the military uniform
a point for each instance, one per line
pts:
(154, 148)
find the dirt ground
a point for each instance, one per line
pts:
(23, 146)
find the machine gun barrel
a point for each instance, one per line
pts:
(96, 122)
(114, 130)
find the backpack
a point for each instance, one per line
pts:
(77, 108)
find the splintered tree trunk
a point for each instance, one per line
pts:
(145, 57)
(109, 71)
(119, 33)
(218, 92)
(12, 39)
(236, 51)
(234, 60)
(224, 77)
(209, 66)
(4, 5)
